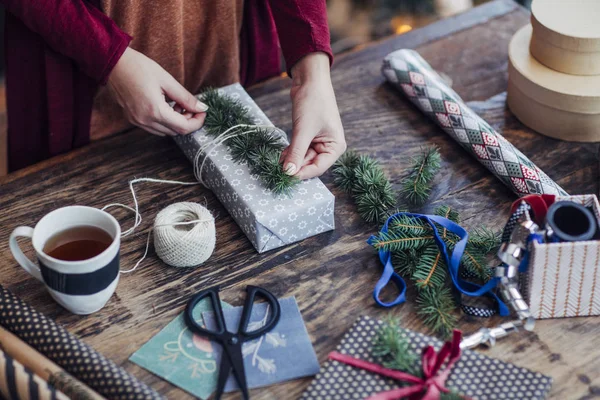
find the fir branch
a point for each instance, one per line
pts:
(448, 213)
(260, 149)
(416, 187)
(436, 308)
(391, 346)
(406, 262)
(410, 225)
(485, 239)
(430, 271)
(399, 241)
(364, 178)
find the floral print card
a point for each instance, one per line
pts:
(283, 354)
(182, 358)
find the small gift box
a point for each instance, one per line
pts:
(359, 375)
(267, 219)
(563, 279)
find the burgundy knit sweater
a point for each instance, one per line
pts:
(58, 52)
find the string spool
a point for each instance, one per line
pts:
(184, 234)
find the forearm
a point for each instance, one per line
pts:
(311, 67)
(302, 29)
(75, 29)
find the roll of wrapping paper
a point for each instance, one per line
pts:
(44, 368)
(77, 358)
(410, 73)
(18, 383)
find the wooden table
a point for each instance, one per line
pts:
(331, 275)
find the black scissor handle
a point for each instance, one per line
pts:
(213, 294)
(253, 291)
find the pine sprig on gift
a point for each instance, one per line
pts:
(259, 147)
(416, 187)
(364, 179)
(392, 348)
(416, 256)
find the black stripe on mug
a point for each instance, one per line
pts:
(81, 284)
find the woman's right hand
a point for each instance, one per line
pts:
(142, 88)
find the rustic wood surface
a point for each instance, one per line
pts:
(331, 275)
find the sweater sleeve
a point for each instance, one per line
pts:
(302, 28)
(76, 29)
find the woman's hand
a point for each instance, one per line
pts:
(142, 88)
(318, 135)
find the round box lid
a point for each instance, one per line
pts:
(573, 23)
(566, 35)
(555, 89)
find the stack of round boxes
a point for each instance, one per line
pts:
(554, 70)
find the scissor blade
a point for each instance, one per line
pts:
(224, 370)
(237, 363)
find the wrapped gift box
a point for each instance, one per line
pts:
(269, 220)
(563, 279)
(474, 375)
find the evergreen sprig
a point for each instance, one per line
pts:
(364, 179)
(392, 348)
(416, 187)
(415, 255)
(260, 149)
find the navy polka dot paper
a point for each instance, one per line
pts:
(474, 375)
(74, 356)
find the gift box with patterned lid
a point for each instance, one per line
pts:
(268, 220)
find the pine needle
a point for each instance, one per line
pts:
(431, 269)
(416, 187)
(437, 309)
(364, 178)
(260, 149)
(391, 345)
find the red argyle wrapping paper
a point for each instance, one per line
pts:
(411, 74)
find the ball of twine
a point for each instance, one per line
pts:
(184, 234)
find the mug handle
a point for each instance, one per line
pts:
(26, 263)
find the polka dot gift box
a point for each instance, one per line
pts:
(474, 375)
(270, 221)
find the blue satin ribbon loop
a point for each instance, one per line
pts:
(452, 261)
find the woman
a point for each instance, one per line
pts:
(79, 70)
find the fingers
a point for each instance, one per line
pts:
(180, 124)
(184, 99)
(295, 153)
(310, 156)
(318, 166)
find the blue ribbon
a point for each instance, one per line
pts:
(452, 261)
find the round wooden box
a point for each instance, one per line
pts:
(566, 35)
(556, 104)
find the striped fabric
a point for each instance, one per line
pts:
(564, 278)
(19, 383)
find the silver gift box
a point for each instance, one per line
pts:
(270, 221)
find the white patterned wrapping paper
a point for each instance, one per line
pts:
(474, 375)
(268, 220)
(413, 76)
(563, 279)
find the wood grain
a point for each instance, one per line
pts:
(331, 275)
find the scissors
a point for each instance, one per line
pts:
(232, 357)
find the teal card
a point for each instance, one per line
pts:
(182, 358)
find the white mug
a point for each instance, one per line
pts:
(82, 287)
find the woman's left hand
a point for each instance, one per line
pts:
(318, 135)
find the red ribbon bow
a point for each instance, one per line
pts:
(434, 376)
